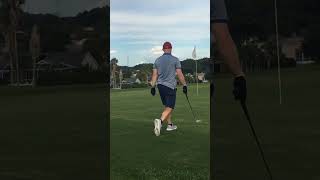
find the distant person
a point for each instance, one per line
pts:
(165, 69)
(226, 47)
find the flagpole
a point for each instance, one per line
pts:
(194, 56)
(197, 78)
(278, 51)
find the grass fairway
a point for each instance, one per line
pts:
(136, 153)
(53, 133)
(289, 132)
(58, 133)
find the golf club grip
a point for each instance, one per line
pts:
(245, 109)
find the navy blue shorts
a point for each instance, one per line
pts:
(168, 96)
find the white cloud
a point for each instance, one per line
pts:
(113, 51)
(156, 50)
(141, 26)
(144, 42)
(139, 19)
(147, 4)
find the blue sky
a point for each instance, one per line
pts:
(139, 27)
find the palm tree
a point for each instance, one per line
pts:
(4, 28)
(113, 63)
(120, 78)
(35, 51)
(10, 13)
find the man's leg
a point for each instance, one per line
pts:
(168, 98)
(169, 118)
(170, 126)
(166, 114)
(158, 122)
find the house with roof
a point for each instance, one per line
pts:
(201, 77)
(292, 47)
(131, 80)
(68, 62)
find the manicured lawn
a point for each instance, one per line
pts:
(60, 132)
(136, 153)
(289, 132)
(53, 133)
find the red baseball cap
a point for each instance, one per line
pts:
(167, 45)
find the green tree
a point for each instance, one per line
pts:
(311, 44)
(142, 76)
(252, 56)
(98, 47)
(114, 66)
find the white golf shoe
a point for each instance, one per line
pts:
(171, 127)
(157, 127)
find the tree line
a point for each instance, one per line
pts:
(249, 18)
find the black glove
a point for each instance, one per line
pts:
(185, 89)
(153, 91)
(240, 88)
(212, 88)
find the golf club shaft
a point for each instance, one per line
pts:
(194, 117)
(245, 109)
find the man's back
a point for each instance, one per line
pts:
(166, 66)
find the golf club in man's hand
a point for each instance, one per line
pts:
(240, 94)
(240, 88)
(185, 89)
(153, 91)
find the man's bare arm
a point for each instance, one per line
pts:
(181, 77)
(227, 48)
(154, 77)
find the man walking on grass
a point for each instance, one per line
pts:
(165, 70)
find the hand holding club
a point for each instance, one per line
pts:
(240, 89)
(153, 91)
(185, 89)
